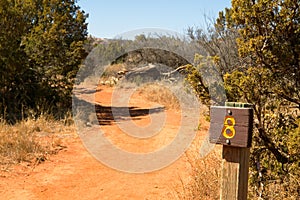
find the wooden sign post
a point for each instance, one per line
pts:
(232, 125)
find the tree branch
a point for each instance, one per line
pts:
(280, 157)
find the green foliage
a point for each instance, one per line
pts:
(252, 86)
(194, 78)
(198, 77)
(269, 40)
(41, 47)
(264, 71)
(274, 133)
(270, 35)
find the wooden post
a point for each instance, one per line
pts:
(231, 126)
(235, 169)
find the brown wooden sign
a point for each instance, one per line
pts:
(231, 126)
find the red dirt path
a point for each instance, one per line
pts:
(75, 174)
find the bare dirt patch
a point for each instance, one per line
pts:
(74, 173)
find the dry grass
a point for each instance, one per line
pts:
(31, 140)
(159, 94)
(109, 72)
(204, 182)
(112, 70)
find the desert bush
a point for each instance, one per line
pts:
(205, 179)
(262, 68)
(40, 58)
(159, 94)
(30, 140)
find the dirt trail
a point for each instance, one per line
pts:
(75, 174)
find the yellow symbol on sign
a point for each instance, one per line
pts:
(228, 130)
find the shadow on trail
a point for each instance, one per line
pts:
(107, 115)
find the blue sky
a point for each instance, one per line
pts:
(110, 18)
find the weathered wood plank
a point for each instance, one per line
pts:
(231, 126)
(235, 169)
(243, 125)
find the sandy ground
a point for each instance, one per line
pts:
(74, 173)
